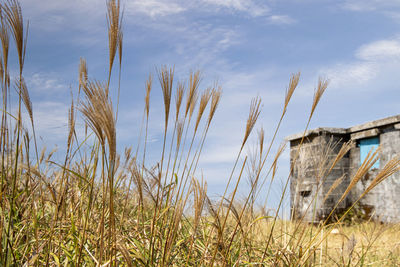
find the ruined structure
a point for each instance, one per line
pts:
(310, 182)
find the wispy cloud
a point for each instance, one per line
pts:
(343, 74)
(370, 5)
(370, 62)
(51, 120)
(154, 8)
(380, 51)
(45, 83)
(281, 20)
(250, 7)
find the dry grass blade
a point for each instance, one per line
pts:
(252, 119)
(322, 85)
(369, 161)
(13, 12)
(25, 97)
(193, 104)
(342, 152)
(83, 73)
(71, 122)
(180, 91)
(98, 113)
(275, 162)
(179, 132)
(215, 98)
(166, 78)
(205, 97)
(294, 81)
(5, 43)
(261, 138)
(194, 81)
(149, 83)
(390, 168)
(335, 184)
(120, 45)
(113, 23)
(200, 193)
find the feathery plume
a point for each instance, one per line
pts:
(253, 116)
(120, 45)
(261, 138)
(149, 83)
(390, 168)
(98, 113)
(25, 97)
(322, 85)
(294, 81)
(179, 132)
(83, 73)
(205, 97)
(194, 81)
(215, 98)
(5, 43)
(342, 152)
(71, 122)
(180, 91)
(113, 24)
(14, 17)
(335, 184)
(166, 78)
(369, 161)
(274, 163)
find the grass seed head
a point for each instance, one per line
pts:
(205, 97)
(25, 97)
(149, 83)
(322, 85)
(13, 13)
(253, 116)
(194, 81)
(180, 91)
(215, 98)
(294, 81)
(166, 78)
(113, 23)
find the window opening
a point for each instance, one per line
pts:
(366, 145)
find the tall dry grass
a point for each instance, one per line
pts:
(103, 207)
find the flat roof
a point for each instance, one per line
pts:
(361, 127)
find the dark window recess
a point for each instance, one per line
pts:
(305, 193)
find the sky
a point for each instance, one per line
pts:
(251, 47)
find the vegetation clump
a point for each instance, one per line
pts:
(100, 207)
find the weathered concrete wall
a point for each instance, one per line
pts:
(310, 181)
(309, 186)
(383, 202)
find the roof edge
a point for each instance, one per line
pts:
(339, 131)
(317, 131)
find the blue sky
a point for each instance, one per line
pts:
(250, 46)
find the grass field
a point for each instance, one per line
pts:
(103, 207)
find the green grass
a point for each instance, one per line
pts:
(103, 207)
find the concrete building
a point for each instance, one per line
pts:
(311, 196)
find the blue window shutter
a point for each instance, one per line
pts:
(366, 145)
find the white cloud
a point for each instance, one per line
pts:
(51, 120)
(380, 50)
(370, 5)
(247, 6)
(45, 83)
(52, 15)
(154, 8)
(218, 154)
(281, 20)
(372, 60)
(344, 74)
